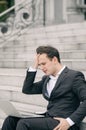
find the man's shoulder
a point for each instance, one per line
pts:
(74, 72)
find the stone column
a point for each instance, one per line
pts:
(50, 12)
(55, 11)
(59, 11)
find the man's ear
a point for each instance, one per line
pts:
(55, 59)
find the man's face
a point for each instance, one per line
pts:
(48, 66)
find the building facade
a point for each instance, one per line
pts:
(48, 12)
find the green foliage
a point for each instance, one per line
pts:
(4, 5)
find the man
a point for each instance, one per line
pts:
(65, 90)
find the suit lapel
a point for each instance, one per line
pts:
(45, 93)
(61, 77)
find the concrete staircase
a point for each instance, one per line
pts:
(17, 55)
(69, 39)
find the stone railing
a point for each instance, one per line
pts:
(27, 13)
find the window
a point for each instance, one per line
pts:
(85, 10)
(81, 4)
(84, 1)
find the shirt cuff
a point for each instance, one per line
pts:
(31, 70)
(70, 121)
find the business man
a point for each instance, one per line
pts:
(65, 90)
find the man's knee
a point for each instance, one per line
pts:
(22, 125)
(10, 123)
(8, 120)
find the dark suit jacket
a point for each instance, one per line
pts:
(68, 98)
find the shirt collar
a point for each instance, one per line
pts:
(55, 77)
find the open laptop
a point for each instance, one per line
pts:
(9, 109)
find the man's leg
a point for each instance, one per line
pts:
(33, 123)
(74, 127)
(37, 123)
(10, 123)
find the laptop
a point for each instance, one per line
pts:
(9, 109)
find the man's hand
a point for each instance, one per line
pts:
(36, 61)
(63, 125)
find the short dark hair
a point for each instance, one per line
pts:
(50, 51)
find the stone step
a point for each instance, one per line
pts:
(55, 32)
(72, 45)
(12, 72)
(28, 55)
(16, 81)
(79, 64)
(15, 77)
(71, 54)
(75, 54)
(50, 33)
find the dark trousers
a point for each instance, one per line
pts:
(33, 123)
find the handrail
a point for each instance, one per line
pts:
(11, 8)
(7, 11)
(5, 41)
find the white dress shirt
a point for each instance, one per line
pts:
(52, 81)
(50, 86)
